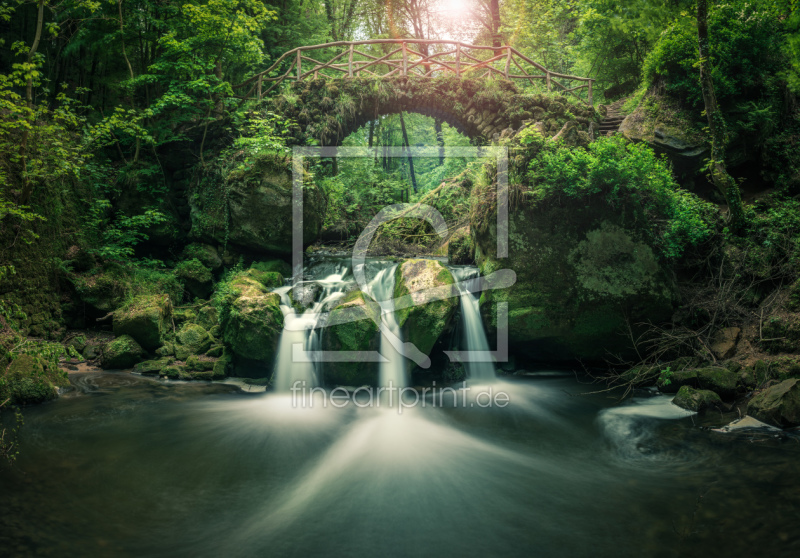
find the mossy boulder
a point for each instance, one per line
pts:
(424, 316)
(278, 266)
(196, 277)
(205, 253)
(256, 212)
(583, 273)
(252, 322)
(153, 367)
(29, 380)
(352, 326)
(778, 404)
(208, 317)
(460, 248)
(193, 339)
(674, 380)
(270, 279)
(719, 380)
(144, 319)
(697, 400)
(122, 352)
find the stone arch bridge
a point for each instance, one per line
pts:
(335, 88)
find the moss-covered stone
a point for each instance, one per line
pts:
(277, 266)
(697, 400)
(253, 320)
(196, 277)
(167, 349)
(192, 340)
(208, 317)
(204, 253)
(674, 380)
(256, 212)
(122, 352)
(153, 367)
(718, 379)
(29, 380)
(778, 404)
(423, 316)
(352, 326)
(270, 279)
(196, 364)
(144, 319)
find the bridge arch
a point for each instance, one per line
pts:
(328, 110)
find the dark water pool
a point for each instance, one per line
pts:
(127, 466)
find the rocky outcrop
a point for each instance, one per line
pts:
(778, 404)
(583, 274)
(255, 211)
(29, 380)
(421, 317)
(352, 326)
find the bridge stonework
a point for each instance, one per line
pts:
(326, 111)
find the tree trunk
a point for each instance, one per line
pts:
(437, 125)
(27, 185)
(494, 8)
(716, 124)
(408, 153)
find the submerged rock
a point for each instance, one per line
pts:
(778, 404)
(424, 319)
(144, 319)
(697, 399)
(122, 352)
(352, 326)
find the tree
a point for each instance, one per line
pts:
(716, 125)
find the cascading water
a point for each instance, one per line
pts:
(392, 369)
(300, 329)
(474, 334)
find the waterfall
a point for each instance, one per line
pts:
(301, 329)
(392, 369)
(473, 332)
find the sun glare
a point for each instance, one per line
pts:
(454, 9)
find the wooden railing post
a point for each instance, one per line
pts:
(405, 60)
(260, 78)
(458, 59)
(548, 81)
(299, 64)
(590, 93)
(508, 60)
(350, 62)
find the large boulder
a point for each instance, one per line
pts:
(421, 316)
(255, 213)
(122, 352)
(144, 319)
(196, 277)
(778, 404)
(583, 274)
(252, 322)
(28, 380)
(352, 326)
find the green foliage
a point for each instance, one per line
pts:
(746, 47)
(617, 170)
(665, 376)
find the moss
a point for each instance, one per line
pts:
(153, 367)
(460, 248)
(352, 326)
(252, 320)
(207, 255)
(696, 399)
(122, 352)
(277, 266)
(192, 340)
(424, 319)
(29, 380)
(144, 318)
(195, 276)
(270, 279)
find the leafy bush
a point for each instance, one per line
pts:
(618, 171)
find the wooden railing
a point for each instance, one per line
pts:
(410, 57)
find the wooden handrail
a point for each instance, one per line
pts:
(457, 59)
